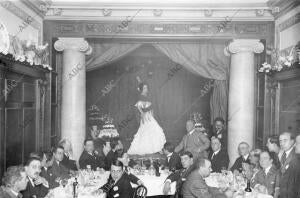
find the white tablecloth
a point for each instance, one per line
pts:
(155, 184)
(214, 181)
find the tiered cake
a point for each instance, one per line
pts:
(108, 130)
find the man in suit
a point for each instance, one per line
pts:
(173, 161)
(67, 159)
(118, 184)
(59, 171)
(218, 157)
(220, 131)
(244, 151)
(194, 141)
(269, 175)
(290, 178)
(111, 155)
(195, 186)
(90, 157)
(286, 141)
(179, 176)
(37, 186)
(14, 181)
(46, 169)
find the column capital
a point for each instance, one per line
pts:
(78, 44)
(244, 45)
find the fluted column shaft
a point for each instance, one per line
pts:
(73, 107)
(241, 103)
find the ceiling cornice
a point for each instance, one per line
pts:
(281, 7)
(40, 7)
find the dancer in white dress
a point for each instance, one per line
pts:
(150, 137)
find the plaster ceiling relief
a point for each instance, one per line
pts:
(161, 10)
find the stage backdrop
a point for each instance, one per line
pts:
(174, 91)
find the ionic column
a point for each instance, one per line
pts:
(73, 106)
(241, 104)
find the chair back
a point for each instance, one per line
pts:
(140, 192)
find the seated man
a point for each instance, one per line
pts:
(194, 141)
(46, 166)
(118, 184)
(111, 155)
(180, 176)
(37, 185)
(59, 171)
(218, 157)
(90, 157)
(195, 186)
(14, 181)
(68, 155)
(127, 162)
(244, 152)
(268, 176)
(173, 160)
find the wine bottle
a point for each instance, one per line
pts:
(75, 188)
(248, 188)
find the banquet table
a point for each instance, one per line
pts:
(88, 185)
(220, 180)
(155, 184)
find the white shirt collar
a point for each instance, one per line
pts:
(31, 181)
(246, 156)
(14, 192)
(216, 152)
(169, 155)
(289, 151)
(268, 169)
(191, 132)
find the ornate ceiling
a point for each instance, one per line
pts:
(157, 10)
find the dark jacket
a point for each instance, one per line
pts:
(219, 161)
(70, 164)
(289, 158)
(93, 160)
(39, 191)
(179, 177)
(58, 170)
(122, 188)
(238, 163)
(290, 179)
(270, 181)
(174, 162)
(49, 176)
(222, 135)
(195, 187)
(109, 158)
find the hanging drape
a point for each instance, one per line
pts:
(107, 53)
(207, 60)
(204, 58)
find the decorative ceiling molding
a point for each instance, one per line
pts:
(11, 7)
(40, 7)
(90, 29)
(255, 14)
(281, 7)
(289, 22)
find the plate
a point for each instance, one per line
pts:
(4, 39)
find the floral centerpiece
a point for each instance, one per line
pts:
(281, 61)
(25, 50)
(197, 118)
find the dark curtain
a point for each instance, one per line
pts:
(174, 91)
